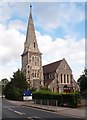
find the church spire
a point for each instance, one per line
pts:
(31, 57)
(31, 41)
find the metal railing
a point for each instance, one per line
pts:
(46, 104)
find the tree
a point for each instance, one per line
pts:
(83, 81)
(16, 86)
(4, 82)
(19, 80)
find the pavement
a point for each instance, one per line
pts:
(79, 112)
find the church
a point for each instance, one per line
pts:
(56, 76)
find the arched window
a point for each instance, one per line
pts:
(38, 74)
(32, 58)
(53, 89)
(38, 61)
(67, 78)
(35, 60)
(64, 78)
(34, 44)
(61, 79)
(35, 74)
(40, 82)
(32, 73)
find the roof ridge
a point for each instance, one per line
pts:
(51, 67)
(53, 62)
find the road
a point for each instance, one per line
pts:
(17, 112)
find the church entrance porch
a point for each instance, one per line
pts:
(67, 89)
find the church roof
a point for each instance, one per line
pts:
(47, 82)
(49, 68)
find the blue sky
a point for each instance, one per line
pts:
(60, 32)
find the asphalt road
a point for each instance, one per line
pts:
(17, 112)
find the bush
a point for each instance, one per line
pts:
(70, 100)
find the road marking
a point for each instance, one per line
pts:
(20, 113)
(10, 109)
(33, 117)
(30, 118)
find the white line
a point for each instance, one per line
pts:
(30, 118)
(10, 109)
(18, 112)
(36, 117)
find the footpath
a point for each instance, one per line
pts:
(79, 112)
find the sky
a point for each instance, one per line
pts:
(60, 32)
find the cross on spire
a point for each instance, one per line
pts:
(30, 7)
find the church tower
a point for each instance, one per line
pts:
(31, 57)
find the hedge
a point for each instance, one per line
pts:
(69, 99)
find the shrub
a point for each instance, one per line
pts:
(69, 99)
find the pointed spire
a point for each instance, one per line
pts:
(31, 36)
(30, 10)
(30, 16)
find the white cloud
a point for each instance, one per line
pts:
(14, 10)
(11, 48)
(18, 25)
(70, 49)
(59, 15)
(6, 11)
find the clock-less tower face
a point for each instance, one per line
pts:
(31, 57)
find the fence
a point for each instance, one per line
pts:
(48, 103)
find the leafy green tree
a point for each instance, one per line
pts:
(4, 82)
(16, 86)
(19, 80)
(83, 81)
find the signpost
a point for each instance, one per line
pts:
(27, 95)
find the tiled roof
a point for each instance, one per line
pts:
(51, 67)
(47, 82)
(75, 84)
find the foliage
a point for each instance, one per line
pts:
(45, 89)
(4, 82)
(70, 100)
(83, 81)
(16, 86)
(33, 89)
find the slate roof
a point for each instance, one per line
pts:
(76, 84)
(47, 82)
(49, 68)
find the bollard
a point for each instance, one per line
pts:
(56, 104)
(41, 103)
(35, 102)
(30, 102)
(48, 104)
